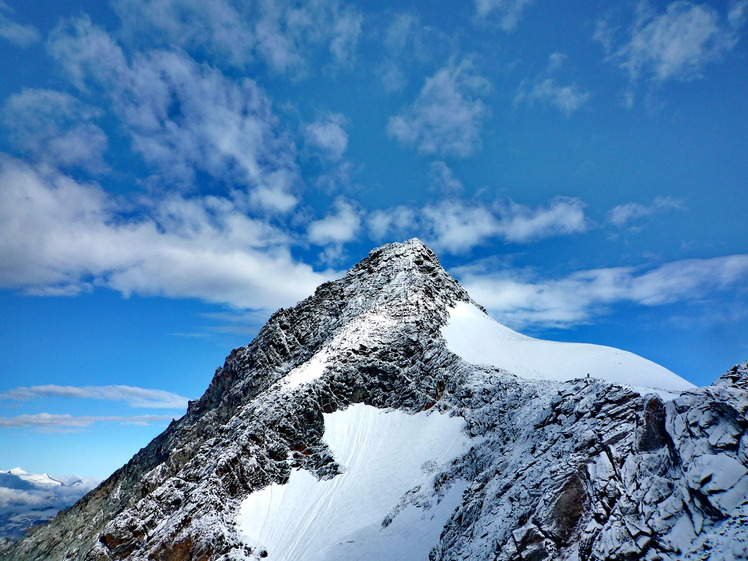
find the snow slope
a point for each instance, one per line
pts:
(390, 461)
(477, 338)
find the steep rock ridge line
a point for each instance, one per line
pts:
(557, 468)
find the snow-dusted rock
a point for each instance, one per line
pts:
(386, 417)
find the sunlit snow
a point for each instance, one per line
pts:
(477, 338)
(385, 454)
(307, 372)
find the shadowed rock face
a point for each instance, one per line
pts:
(653, 434)
(574, 470)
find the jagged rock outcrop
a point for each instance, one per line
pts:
(573, 469)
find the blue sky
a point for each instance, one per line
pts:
(172, 171)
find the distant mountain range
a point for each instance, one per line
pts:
(27, 498)
(388, 418)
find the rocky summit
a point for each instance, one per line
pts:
(386, 417)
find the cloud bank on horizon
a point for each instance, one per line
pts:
(571, 165)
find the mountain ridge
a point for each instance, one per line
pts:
(570, 469)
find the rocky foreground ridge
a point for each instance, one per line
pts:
(578, 469)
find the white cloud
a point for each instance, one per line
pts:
(676, 44)
(55, 127)
(506, 13)
(546, 90)
(408, 43)
(51, 422)
(520, 298)
(87, 54)
(340, 226)
(282, 33)
(624, 214)
(61, 237)
(455, 226)
(185, 117)
(445, 180)
(39, 500)
(16, 33)
(446, 117)
(392, 222)
(563, 216)
(132, 396)
(328, 135)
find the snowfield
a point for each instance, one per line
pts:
(390, 461)
(477, 338)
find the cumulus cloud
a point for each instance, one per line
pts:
(546, 89)
(55, 127)
(393, 222)
(14, 32)
(328, 136)
(623, 215)
(185, 117)
(132, 396)
(455, 226)
(505, 13)
(58, 236)
(51, 422)
(281, 33)
(338, 227)
(445, 119)
(675, 44)
(521, 298)
(87, 54)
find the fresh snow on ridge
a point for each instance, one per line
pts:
(362, 329)
(477, 338)
(390, 460)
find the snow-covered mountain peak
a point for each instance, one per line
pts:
(408, 425)
(36, 479)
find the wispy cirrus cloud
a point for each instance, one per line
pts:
(504, 13)
(47, 422)
(19, 34)
(444, 179)
(628, 213)
(408, 44)
(132, 396)
(454, 225)
(674, 44)
(521, 298)
(446, 117)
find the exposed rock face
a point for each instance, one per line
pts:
(582, 469)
